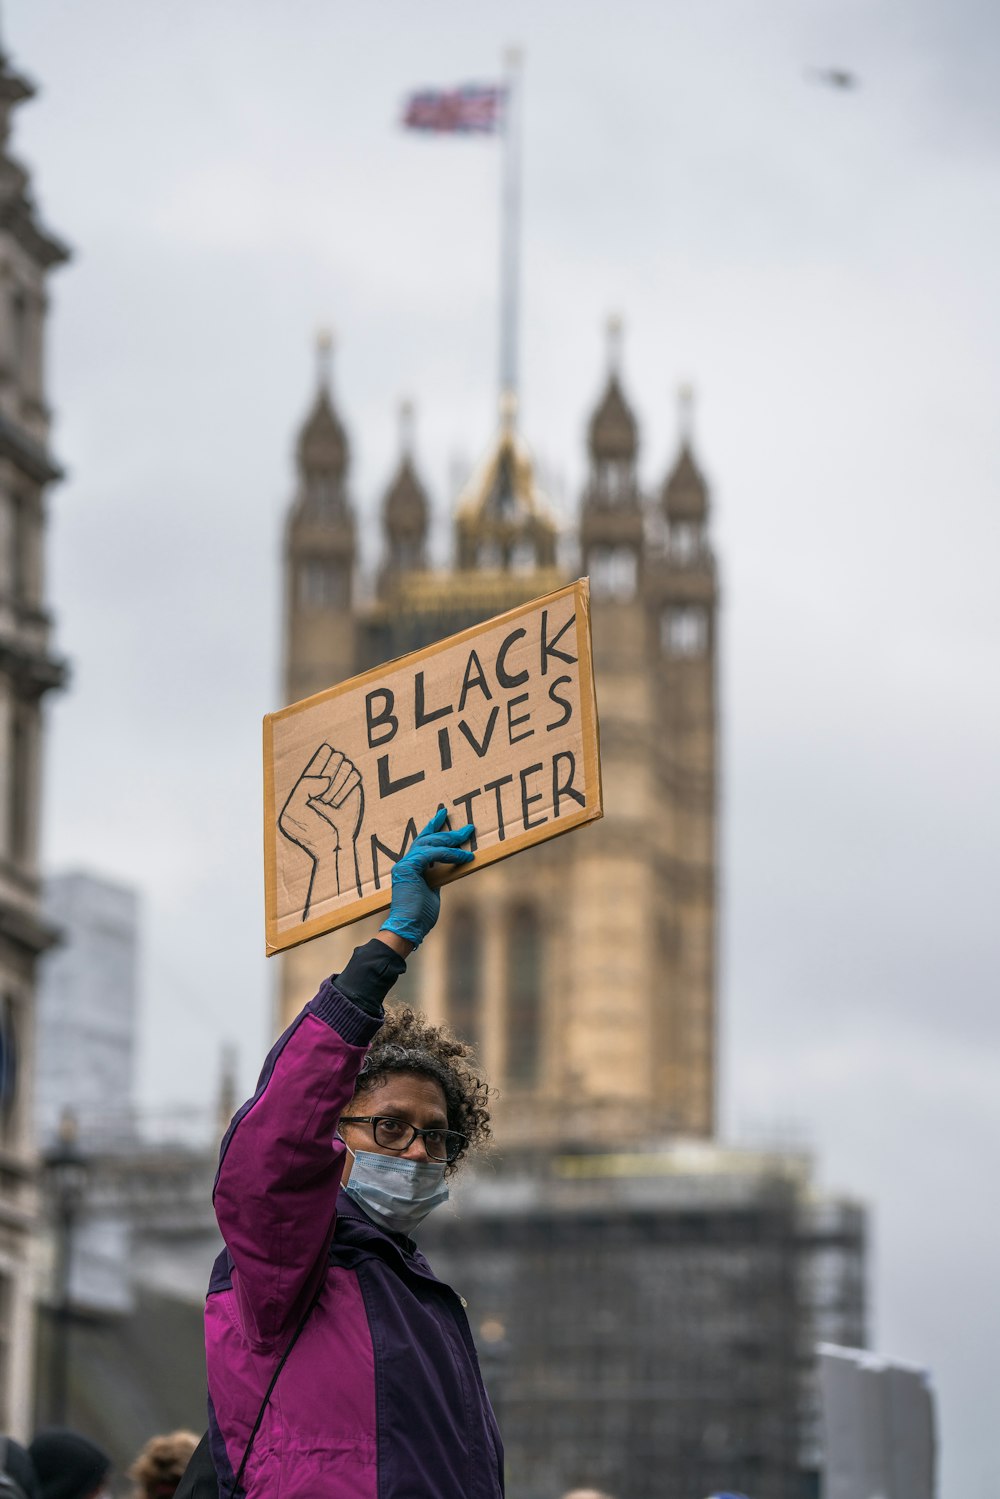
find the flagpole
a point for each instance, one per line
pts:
(510, 233)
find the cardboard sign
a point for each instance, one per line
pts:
(497, 723)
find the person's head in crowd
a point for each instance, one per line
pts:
(18, 1479)
(586, 1494)
(69, 1466)
(160, 1465)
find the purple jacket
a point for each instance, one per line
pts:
(381, 1397)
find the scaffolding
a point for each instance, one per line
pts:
(646, 1322)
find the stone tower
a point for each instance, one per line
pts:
(682, 598)
(28, 670)
(320, 550)
(584, 972)
(320, 637)
(405, 514)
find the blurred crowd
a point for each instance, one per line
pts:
(61, 1464)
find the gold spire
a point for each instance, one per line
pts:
(508, 411)
(504, 482)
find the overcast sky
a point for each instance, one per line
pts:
(822, 265)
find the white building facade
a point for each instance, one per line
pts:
(87, 1008)
(28, 671)
(87, 1015)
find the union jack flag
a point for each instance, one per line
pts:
(474, 109)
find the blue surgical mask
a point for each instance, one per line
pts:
(396, 1192)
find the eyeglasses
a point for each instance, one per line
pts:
(398, 1135)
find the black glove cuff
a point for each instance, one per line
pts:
(370, 973)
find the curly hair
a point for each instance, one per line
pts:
(160, 1465)
(408, 1042)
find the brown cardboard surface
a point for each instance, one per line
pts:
(497, 723)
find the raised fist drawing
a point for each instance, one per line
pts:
(323, 816)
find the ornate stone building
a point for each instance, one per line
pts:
(585, 971)
(28, 670)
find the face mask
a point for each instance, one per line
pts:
(396, 1192)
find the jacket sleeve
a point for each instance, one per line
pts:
(281, 1163)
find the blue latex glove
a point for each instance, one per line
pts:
(415, 905)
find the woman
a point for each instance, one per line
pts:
(356, 1124)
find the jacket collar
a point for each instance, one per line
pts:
(354, 1227)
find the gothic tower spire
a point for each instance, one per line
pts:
(611, 528)
(320, 547)
(323, 449)
(405, 511)
(682, 587)
(684, 498)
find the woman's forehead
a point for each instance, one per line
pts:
(406, 1092)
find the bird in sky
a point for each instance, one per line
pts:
(841, 78)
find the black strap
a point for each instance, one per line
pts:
(274, 1380)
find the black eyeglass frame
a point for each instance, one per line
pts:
(376, 1119)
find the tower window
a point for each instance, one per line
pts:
(322, 584)
(465, 961)
(684, 630)
(613, 572)
(684, 541)
(524, 997)
(407, 552)
(614, 478)
(323, 494)
(522, 557)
